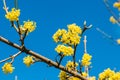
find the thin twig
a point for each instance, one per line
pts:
(11, 57)
(5, 7)
(16, 4)
(5, 59)
(60, 60)
(85, 44)
(15, 27)
(105, 34)
(26, 32)
(61, 57)
(85, 27)
(80, 67)
(74, 56)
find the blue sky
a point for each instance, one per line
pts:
(51, 15)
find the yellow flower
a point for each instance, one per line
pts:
(84, 74)
(28, 60)
(62, 75)
(29, 26)
(65, 38)
(73, 78)
(74, 38)
(106, 74)
(13, 14)
(116, 76)
(73, 28)
(7, 68)
(71, 37)
(70, 65)
(86, 59)
(58, 34)
(118, 41)
(117, 5)
(112, 19)
(67, 51)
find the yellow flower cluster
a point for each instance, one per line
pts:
(116, 76)
(13, 14)
(28, 60)
(67, 51)
(62, 75)
(70, 65)
(75, 78)
(118, 41)
(58, 34)
(73, 28)
(28, 26)
(117, 5)
(71, 37)
(7, 68)
(84, 74)
(86, 59)
(106, 74)
(112, 20)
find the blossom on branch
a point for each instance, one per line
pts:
(109, 74)
(62, 75)
(7, 68)
(66, 50)
(75, 29)
(113, 20)
(117, 5)
(70, 65)
(86, 59)
(28, 26)
(13, 15)
(118, 41)
(71, 37)
(58, 34)
(28, 60)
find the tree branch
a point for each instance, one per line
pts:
(44, 59)
(11, 57)
(109, 9)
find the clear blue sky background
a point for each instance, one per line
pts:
(49, 16)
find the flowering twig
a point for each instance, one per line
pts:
(85, 51)
(44, 59)
(75, 46)
(17, 28)
(11, 57)
(110, 10)
(6, 10)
